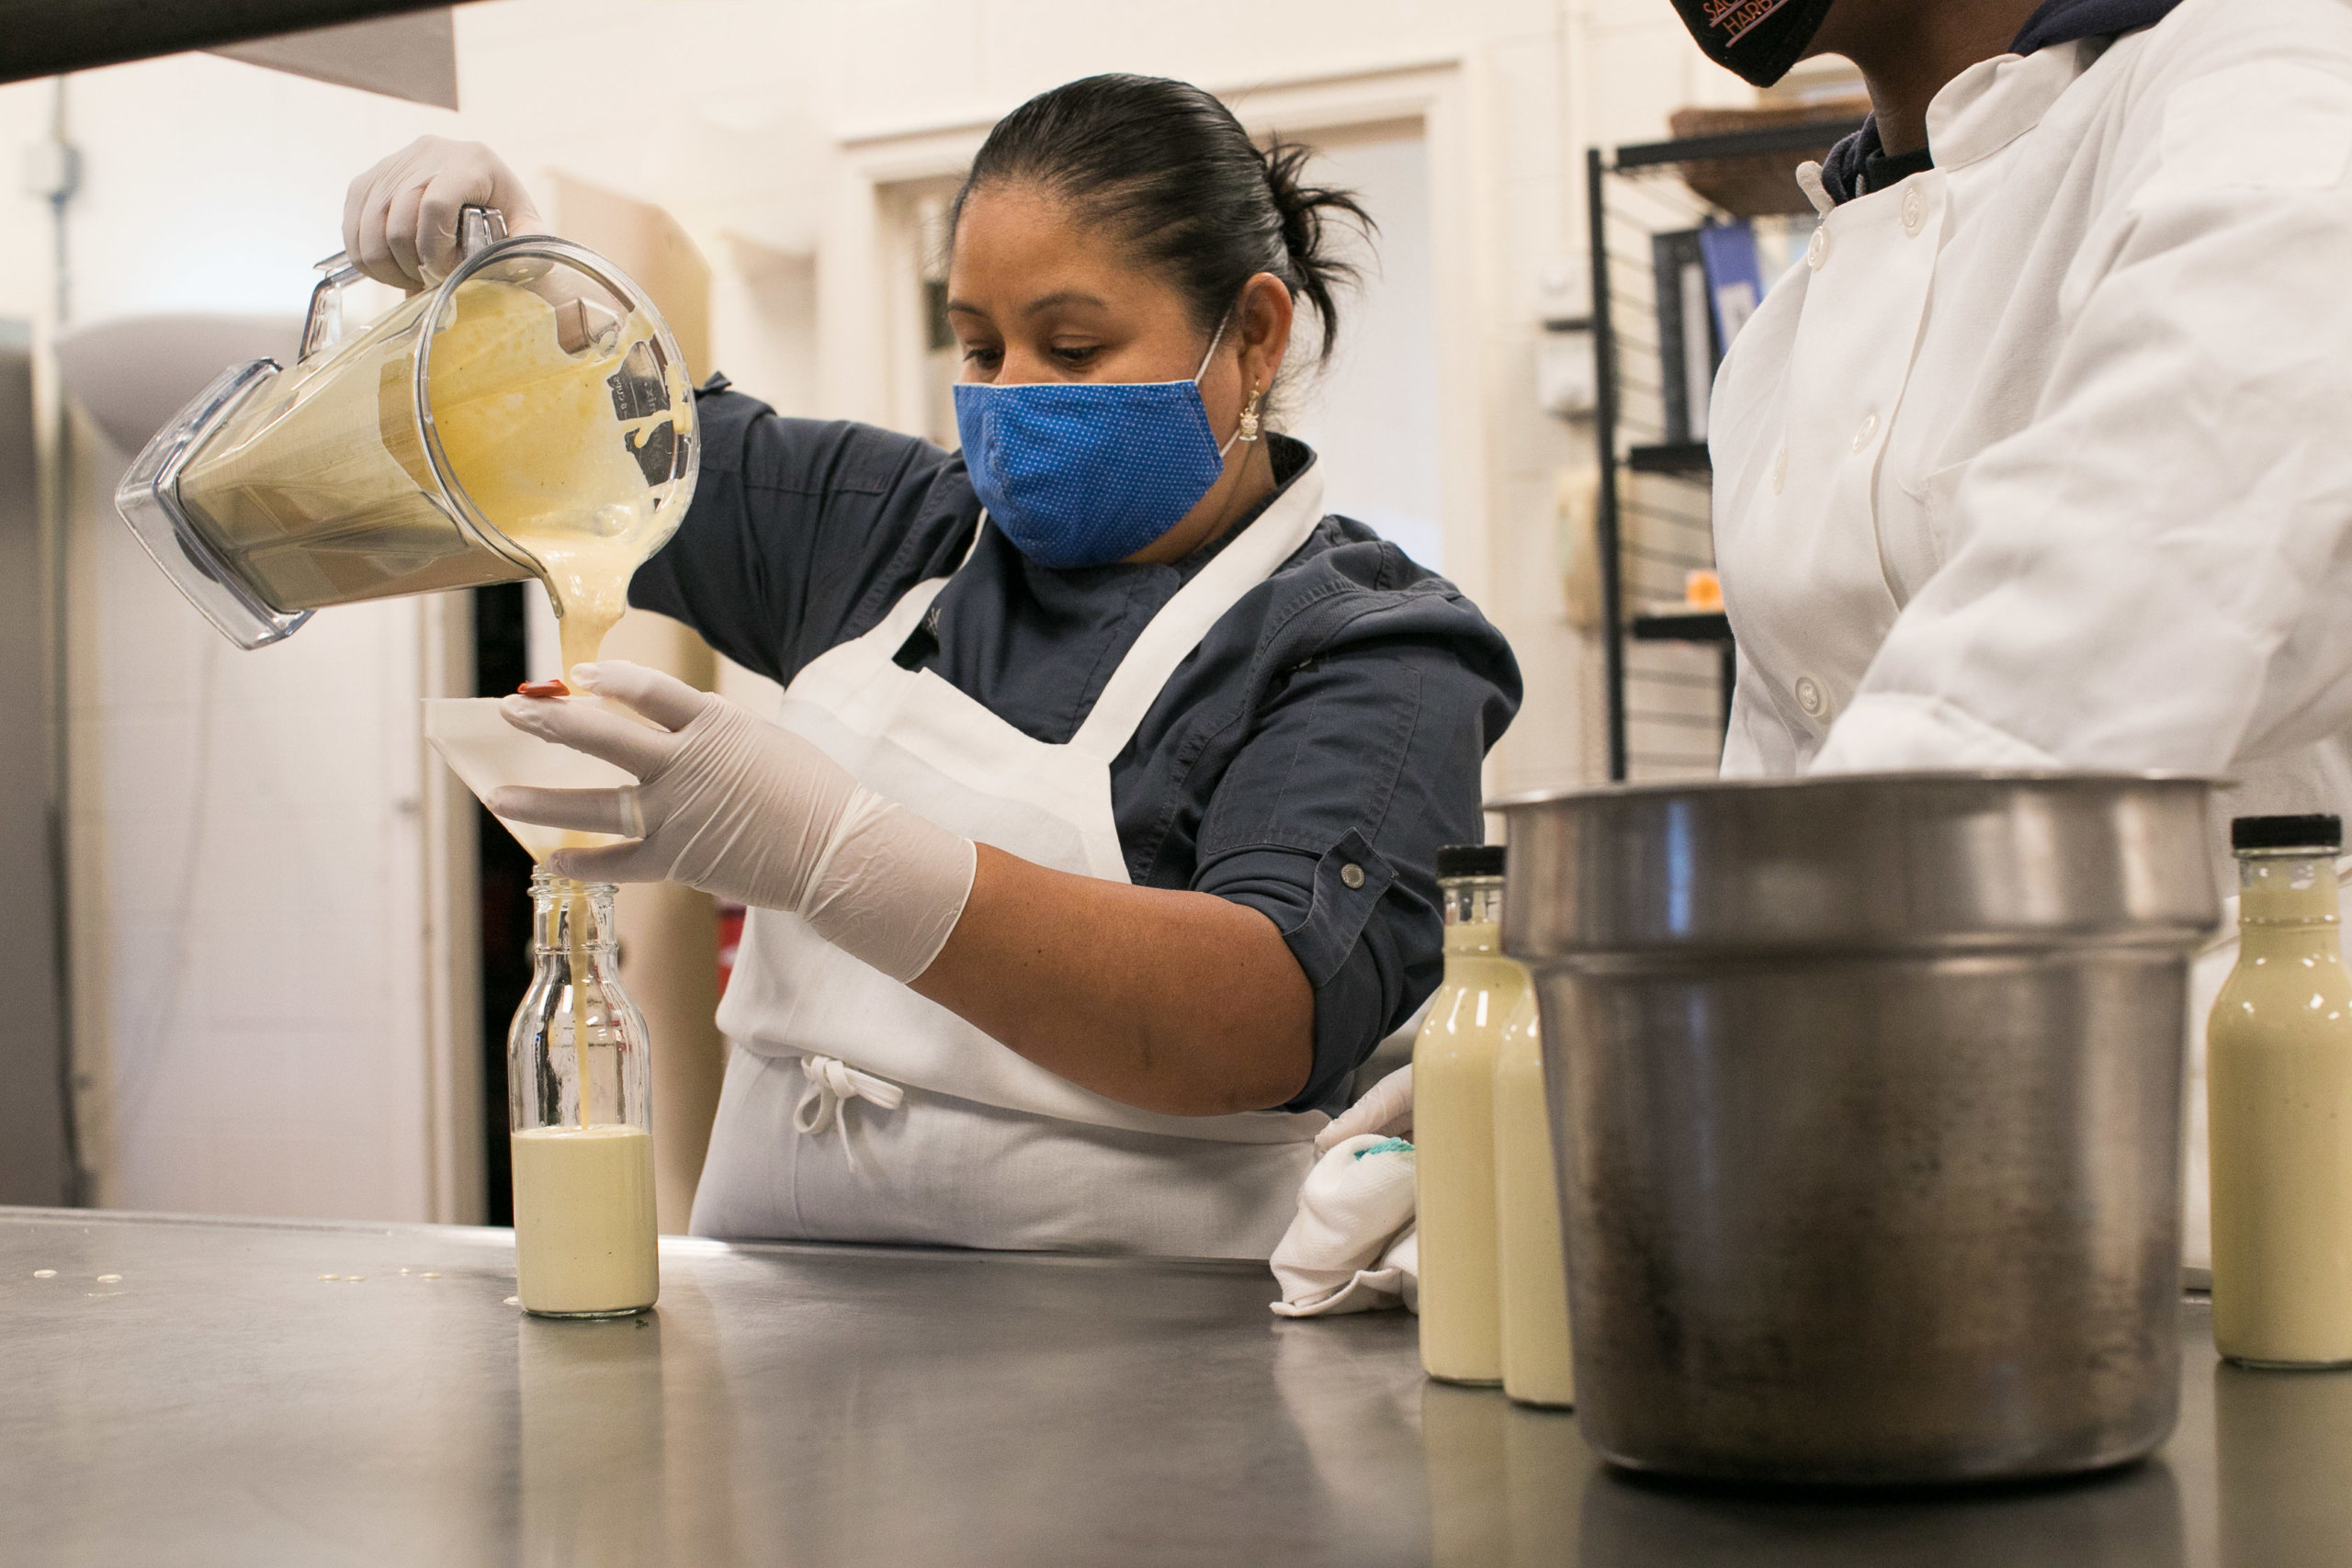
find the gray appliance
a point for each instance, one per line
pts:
(35, 1159)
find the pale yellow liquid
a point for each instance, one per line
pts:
(585, 1223)
(579, 919)
(1538, 1367)
(530, 431)
(2278, 1101)
(1454, 1155)
(321, 489)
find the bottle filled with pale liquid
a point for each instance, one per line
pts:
(1538, 1366)
(2279, 1105)
(580, 1107)
(1453, 1123)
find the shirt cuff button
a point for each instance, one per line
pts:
(1353, 874)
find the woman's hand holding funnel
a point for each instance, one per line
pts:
(735, 806)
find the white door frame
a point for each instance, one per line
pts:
(870, 334)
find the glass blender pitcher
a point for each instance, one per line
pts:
(529, 417)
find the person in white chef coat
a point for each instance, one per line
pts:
(2040, 458)
(1092, 847)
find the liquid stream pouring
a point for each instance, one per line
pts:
(530, 416)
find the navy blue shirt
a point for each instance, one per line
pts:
(1336, 716)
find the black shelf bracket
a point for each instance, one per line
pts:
(1604, 425)
(1684, 459)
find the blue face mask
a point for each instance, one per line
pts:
(1084, 473)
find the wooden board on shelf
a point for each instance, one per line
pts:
(1764, 185)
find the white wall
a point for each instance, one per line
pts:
(247, 936)
(248, 865)
(1372, 413)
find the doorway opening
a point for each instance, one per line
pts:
(502, 663)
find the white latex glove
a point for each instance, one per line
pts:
(737, 807)
(1386, 1109)
(399, 219)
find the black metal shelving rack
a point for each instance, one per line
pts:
(1667, 701)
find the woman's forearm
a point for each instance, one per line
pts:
(1181, 1003)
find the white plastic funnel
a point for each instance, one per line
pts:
(488, 753)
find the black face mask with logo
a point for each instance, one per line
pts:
(1756, 40)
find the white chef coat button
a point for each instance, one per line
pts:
(1816, 250)
(1810, 697)
(1779, 470)
(1915, 212)
(1869, 429)
(1353, 874)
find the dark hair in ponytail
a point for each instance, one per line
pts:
(1167, 169)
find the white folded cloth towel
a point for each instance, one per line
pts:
(1353, 1246)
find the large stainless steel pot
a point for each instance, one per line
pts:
(1867, 1096)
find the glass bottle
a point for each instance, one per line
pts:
(1453, 1123)
(2278, 1106)
(580, 1113)
(1538, 1366)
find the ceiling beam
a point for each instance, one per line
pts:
(413, 57)
(45, 37)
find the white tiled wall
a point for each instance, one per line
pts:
(245, 842)
(248, 857)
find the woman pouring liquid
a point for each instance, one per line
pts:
(1092, 848)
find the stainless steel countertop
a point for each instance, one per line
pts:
(832, 1406)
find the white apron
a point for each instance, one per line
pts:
(855, 1110)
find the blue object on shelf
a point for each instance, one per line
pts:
(1735, 279)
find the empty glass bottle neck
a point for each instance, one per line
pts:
(1472, 900)
(570, 914)
(1474, 915)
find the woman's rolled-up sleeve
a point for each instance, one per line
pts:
(1363, 761)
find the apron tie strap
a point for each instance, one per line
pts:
(833, 1083)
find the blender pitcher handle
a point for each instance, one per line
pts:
(323, 328)
(479, 228)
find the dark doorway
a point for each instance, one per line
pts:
(501, 664)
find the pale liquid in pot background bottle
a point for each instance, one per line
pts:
(1538, 1365)
(1454, 1142)
(2278, 1089)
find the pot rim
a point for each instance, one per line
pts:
(1527, 799)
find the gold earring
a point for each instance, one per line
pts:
(1249, 430)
